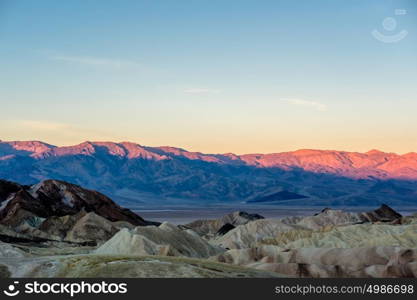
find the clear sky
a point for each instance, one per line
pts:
(212, 76)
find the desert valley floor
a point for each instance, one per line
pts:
(57, 229)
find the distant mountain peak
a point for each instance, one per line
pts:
(374, 163)
(132, 171)
(309, 152)
(374, 152)
(21, 147)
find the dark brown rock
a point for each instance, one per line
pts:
(225, 229)
(382, 214)
(207, 227)
(7, 188)
(53, 198)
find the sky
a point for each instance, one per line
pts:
(214, 76)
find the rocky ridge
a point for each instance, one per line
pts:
(134, 173)
(55, 229)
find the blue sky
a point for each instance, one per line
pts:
(210, 76)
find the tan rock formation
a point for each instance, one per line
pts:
(166, 239)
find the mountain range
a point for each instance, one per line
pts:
(131, 174)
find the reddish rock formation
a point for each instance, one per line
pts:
(57, 198)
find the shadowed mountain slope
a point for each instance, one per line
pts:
(132, 173)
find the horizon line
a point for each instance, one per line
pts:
(207, 153)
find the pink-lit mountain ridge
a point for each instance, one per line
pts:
(130, 170)
(351, 164)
